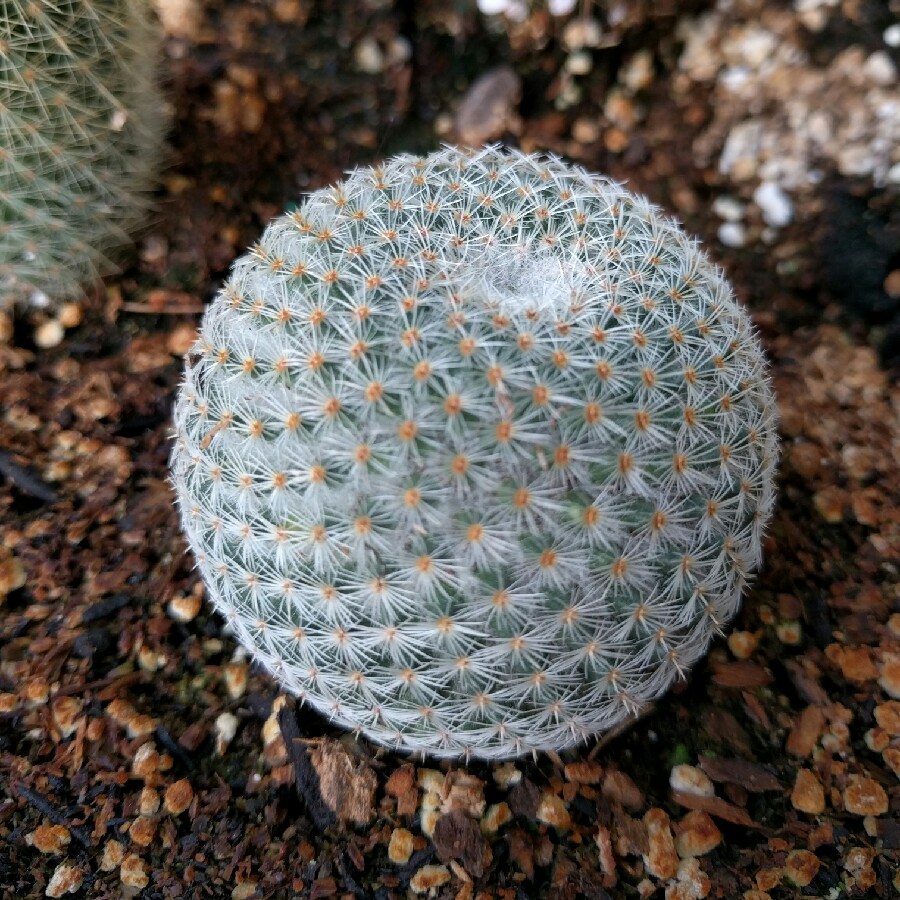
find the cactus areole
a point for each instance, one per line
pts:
(475, 453)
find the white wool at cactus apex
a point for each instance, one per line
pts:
(475, 452)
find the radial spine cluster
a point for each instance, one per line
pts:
(81, 128)
(475, 452)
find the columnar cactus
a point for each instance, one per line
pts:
(475, 452)
(81, 120)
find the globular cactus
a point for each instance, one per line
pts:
(475, 452)
(81, 120)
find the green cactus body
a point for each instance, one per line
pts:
(81, 123)
(475, 453)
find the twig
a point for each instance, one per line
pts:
(43, 805)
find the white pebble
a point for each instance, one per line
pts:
(892, 35)
(226, 728)
(637, 73)
(492, 7)
(561, 7)
(582, 33)
(880, 68)
(49, 334)
(893, 175)
(732, 234)
(691, 780)
(579, 63)
(728, 208)
(775, 204)
(368, 56)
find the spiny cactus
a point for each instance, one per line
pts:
(475, 452)
(81, 121)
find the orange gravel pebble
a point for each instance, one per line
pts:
(49, 838)
(865, 797)
(697, 834)
(178, 797)
(808, 794)
(801, 867)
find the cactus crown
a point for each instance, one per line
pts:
(81, 122)
(475, 452)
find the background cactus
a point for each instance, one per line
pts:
(475, 452)
(81, 120)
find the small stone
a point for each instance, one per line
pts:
(887, 715)
(891, 757)
(620, 110)
(148, 805)
(431, 781)
(37, 692)
(552, 811)
(742, 644)
(891, 284)
(495, 817)
(184, 609)
(697, 834)
(49, 334)
(178, 797)
(113, 851)
(235, 675)
(70, 315)
(66, 879)
(776, 206)
(691, 780)
(226, 728)
(728, 208)
(582, 32)
(880, 69)
(889, 675)
(463, 791)
(132, 872)
(876, 739)
(140, 725)
(429, 877)
(808, 794)
(801, 867)
(507, 775)
(692, 882)
(151, 660)
(579, 63)
(244, 891)
(181, 339)
(49, 838)
(12, 575)
(586, 130)
(856, 664)
(142, 831)
(732, 234)
(401, 846)
(637, 72)
(661, 859)
(865, 797)
(368, 56)
(561, 7)
(789, 632)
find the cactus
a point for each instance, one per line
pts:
(81, 120)
(475, 452)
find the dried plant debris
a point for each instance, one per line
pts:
(141, 755)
